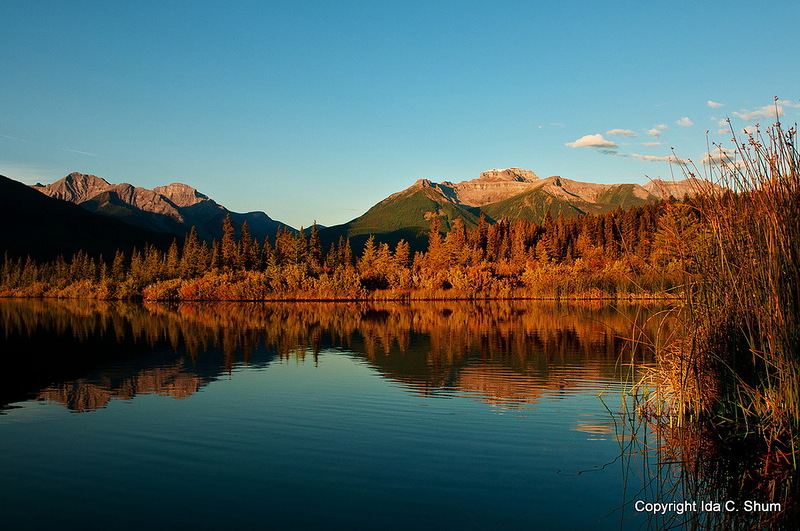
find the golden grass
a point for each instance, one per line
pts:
(736, 366)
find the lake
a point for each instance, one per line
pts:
(451, 415)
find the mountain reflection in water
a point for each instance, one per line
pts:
(84, 353)
(295, 401)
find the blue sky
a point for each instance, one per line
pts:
(317, 110)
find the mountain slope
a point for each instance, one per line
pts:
(569, 198)
(405, 215)
(173, 209)
(44, 227)
(533, 206)
(511, 194)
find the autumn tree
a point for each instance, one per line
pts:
(228, 246)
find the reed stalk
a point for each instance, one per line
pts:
(736, 367)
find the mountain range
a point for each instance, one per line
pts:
(510, 194)
(44, 227)
(171, 209)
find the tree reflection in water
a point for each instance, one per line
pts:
(82, 354)
(507, 353)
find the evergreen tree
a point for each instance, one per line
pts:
(436, 257)
(228, 246)
(345, 252)
(215, 258)
(173, 261)
(246, 249)
(267, 254)
(117, 267)
(456, 246)
(189, 265)
(314, 248)
(402, 254)
(299, 248)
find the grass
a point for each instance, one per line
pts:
(730, 380)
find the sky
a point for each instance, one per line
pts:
(315, 111)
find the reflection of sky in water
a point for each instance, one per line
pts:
(336, 436)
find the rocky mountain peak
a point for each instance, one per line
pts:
(181, 194)
(75, 187)
(680, 189)
(173, 208)
(83, 178)
(509, 174)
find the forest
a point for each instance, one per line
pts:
(635, 253)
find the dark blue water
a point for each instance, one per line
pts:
(194, 418)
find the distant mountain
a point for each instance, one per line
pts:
(404, 215)
(511, 194)
(679, 189)
(44, 227)
(172, 209)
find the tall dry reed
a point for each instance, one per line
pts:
(736, 367)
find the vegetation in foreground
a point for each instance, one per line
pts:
(726, 393)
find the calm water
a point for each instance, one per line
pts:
(436, 415)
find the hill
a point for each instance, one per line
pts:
(405, 215)
(44, 227)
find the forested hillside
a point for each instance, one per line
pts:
(635, 252)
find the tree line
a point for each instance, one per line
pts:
(633, 252)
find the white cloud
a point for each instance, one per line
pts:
(592, 141)
(685, 122)
(656, 131)
(767, 111)
(749, 130)
(787, 103)
(621, 132)
(714, 104)
(650, 144)
(653, 158)
(718, 156)
(722, 123)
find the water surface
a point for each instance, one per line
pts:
(435, 415)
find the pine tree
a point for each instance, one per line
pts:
(215, 257)
(189, 265)
(136, 270)
(246, 251)
(366, 263)
(117, 267)
(103, 273)
(267, 254)
(173, 261)
(30, 272)
(456, 243)
(345, 252)
(314, 248)
(402, 254)
(299, 248)
(228, 247)
(153, 268)
(330, 259)
(436, 257)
